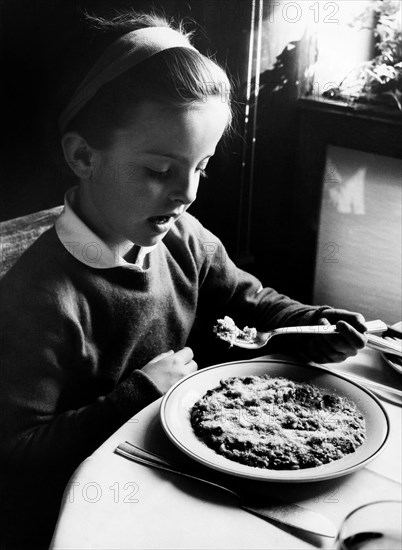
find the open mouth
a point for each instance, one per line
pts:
(160, 220)
(161, 224)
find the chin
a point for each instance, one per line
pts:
(150, 241)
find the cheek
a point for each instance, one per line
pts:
(138, 197)
(119, 181)
(124, 187)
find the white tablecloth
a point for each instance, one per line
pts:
(114, 503)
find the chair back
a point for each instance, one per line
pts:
(18, 234)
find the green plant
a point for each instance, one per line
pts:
(378, 81)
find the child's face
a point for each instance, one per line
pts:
(150, 174)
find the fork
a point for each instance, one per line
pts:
(262, 338)
(282, 512)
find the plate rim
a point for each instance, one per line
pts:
(218, 467)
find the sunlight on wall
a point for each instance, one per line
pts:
(359, 254)
(346, 187)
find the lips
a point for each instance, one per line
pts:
(164, 219)
(162, 224)
(160, 220)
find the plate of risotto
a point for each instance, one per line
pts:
(275, 420)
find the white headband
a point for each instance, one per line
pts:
(127, 51)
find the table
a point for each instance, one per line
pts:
(114, 503)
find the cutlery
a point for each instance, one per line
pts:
(385, 345)
(262, 338)
(370, 384)
(393, 332)
(277, 510)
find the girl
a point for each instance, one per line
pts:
(98, 312)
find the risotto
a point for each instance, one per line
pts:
(275, 423)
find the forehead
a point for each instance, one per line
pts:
(158, 127)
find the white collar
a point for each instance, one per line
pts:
(86, 247)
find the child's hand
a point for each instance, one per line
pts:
(338, 347)
(168, 368)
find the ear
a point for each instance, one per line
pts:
(79, 155)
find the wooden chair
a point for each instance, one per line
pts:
(18, 234)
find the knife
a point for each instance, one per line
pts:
(282, 512)
(393, 332)
(384, 344)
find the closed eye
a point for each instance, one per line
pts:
(159, 175)
(167, 173)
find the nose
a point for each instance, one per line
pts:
(184, 190)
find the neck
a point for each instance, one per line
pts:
(88, 212)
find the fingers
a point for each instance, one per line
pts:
(192, 367)
(184, 355)
(168, 368)
(349, 339)
(355, 339)
(337, 347)
(354, 319)
(161, 356)
(323, 349)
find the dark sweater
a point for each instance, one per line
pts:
(74, 338)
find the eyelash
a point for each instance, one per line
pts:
(167, 173)
(159, 175)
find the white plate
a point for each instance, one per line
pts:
(392, 360)
(177, 403)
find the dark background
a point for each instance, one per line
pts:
(40, 39)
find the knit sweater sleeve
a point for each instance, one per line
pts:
(47, 418)
(237, 293)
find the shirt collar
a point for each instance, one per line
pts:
(86, 247)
